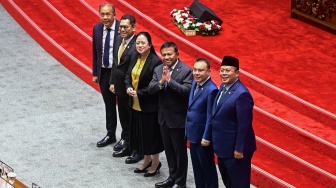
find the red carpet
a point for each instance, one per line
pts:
(267, 41)
(295, 142)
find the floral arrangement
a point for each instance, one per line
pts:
(184, 19)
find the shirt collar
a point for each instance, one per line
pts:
(173, 67)
(129, 39)
(201, 84)
(112, 27)
(228, 87)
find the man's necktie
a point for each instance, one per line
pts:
(197, 88)
(121, 50)
(106, 59)
(221, 94)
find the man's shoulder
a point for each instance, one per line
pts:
(98, 25)
(118, 38)
(210, 85)
(132, 41)
(183, 66)
(159, 67)
(154, 57)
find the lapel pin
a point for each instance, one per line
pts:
(229, 92)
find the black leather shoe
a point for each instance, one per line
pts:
(167, 183)
(123, 153)
(138, 170)
(147, 174)
(107, 140)
(179, 186)
(120, 145)
(134, 158)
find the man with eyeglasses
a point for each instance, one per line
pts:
(103, 40)
(123, 50)
(198, 124)
(233, 136)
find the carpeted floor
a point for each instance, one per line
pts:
(288, 53)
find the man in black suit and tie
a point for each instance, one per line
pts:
(103, 40)
(123, 50)
(172, 81)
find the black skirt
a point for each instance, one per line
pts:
(145, 134)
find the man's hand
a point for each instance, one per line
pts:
(238, 154)
(112, 88)
(205, 142)
(95, 79)
(165, 75)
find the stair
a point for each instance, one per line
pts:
(287, 151)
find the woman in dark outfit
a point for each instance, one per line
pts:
(145, 136)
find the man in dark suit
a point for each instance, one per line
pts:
(198, 122)
(172, 81)
(232, 132)
(123, 50)
(102, 60)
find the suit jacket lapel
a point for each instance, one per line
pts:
(100, 38)
(200, 90)
(176, 70)
(191, 95)
(128, 47)
(224, 97)
(116, 49)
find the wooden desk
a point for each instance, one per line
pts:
(319, 13)
(17, 184)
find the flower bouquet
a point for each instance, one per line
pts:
(187, 22)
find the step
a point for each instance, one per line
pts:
(41, 37)
(36, 11)
(267, 89)
(182, 54)
(298, 154)
(80, 15)
(284, 168)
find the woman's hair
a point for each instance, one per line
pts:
(149, 39)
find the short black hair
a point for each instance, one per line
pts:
(130, 18)
(169, 44)
(205, 60)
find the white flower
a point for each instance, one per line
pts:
(198, 24)
(185, 14)
(207, 26)
(179, 19)
(186, 26)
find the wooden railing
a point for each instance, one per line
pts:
(319, 13)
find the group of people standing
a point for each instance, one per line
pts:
(164, 103)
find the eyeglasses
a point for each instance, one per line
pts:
(124, 27)
(226, 71)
